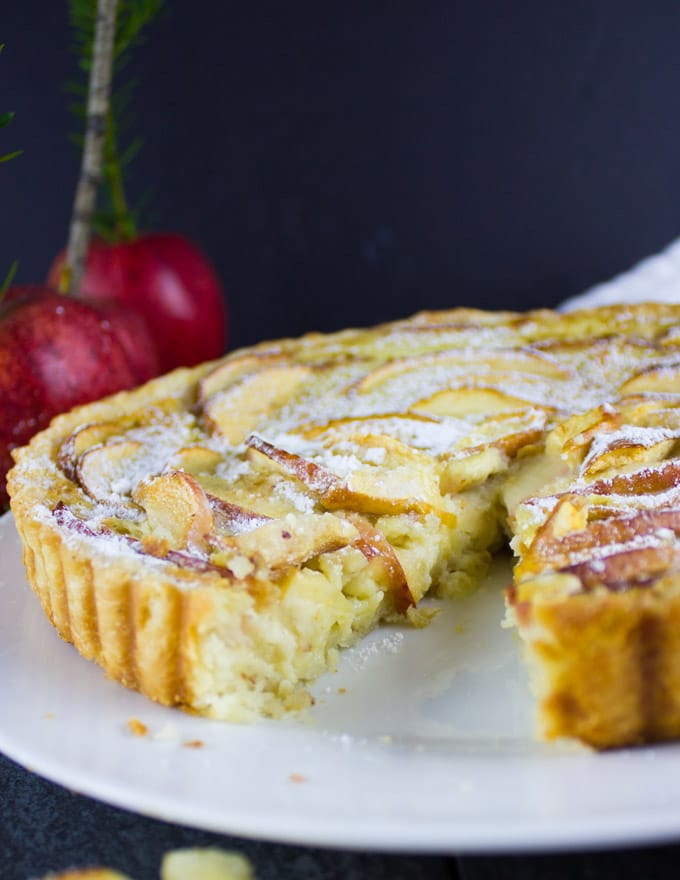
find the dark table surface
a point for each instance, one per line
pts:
(45, 827)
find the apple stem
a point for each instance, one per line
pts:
(91, 168)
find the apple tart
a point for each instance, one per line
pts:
(214, 538)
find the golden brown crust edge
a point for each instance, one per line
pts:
(605, 667)
(143, 631)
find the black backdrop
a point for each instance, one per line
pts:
(349, 162)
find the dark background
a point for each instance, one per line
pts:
(349, 162)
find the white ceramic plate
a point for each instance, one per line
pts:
(421, 741)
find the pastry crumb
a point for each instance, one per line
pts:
(297, 778)
(137, 727)
(193, 744)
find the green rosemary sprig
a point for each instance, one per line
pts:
(9, 278)
(114, 218)
(5, 119)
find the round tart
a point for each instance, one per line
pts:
(215, 537)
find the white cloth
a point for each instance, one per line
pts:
(655, 279)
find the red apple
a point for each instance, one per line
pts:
(57, 352)
(171, 284)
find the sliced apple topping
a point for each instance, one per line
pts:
(82, 439)
(470, 400)
(374, 545)
(227, 372)
(655, 379)
(370, 490)
(106, 472)
(630, 445)
(642, 482)
(396, 425)
(472, 469)
(365, 440)
(316, 478)
(573, 437)
(238, 409)
(568, 514)
(475, 363)
(195, 460)
(178, 510)
(509, 433)
(234, 519)
(580, 541)
(621, 569)
(282, 543)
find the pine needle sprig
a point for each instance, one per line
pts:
(114, 218)
(5, 119)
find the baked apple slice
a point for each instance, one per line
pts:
(366, 490)
(655, 379)
(229, 371)
(471, 400)
(106, 472)
(281, 543)
(80, 441)
(177, 509)
(238, 409)
(476, 363)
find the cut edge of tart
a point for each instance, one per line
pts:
(214, 538)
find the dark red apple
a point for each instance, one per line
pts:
(170, 283)
(57, 352)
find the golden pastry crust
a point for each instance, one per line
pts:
(213, 538)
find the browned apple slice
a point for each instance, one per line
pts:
(317, 478)
(177, 509)
(471, 400)
(388, 439)
(641, 482)
(580, 541)
(290, 541)
(392, 489)
(657, 379)
(195, 460)
(228, 371)
(622, 452)
(232, 518)
(374, 545)
(82, 439)
(573, 437)
(472, 469)
(369, 444)
(104, 471)
(621, 569)
(239, 409)
(476, 362)
(568, 515)
(368, 424)
(370, 490)
(472, 462)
